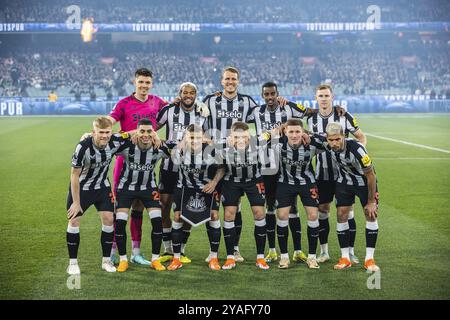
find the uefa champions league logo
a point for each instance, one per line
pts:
(196, 203)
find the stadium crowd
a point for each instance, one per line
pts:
(353, 71)
(204, 11)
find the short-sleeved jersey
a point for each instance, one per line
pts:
(195, 169)
(352, 162)
(224, 112)
(139, 166)
(325, 169)
(176, 119)
(130, 110)
(243, 165)
(94, 162)
(296, 163)
(266, 119)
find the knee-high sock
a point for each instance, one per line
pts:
(271, 222)
(106, 239)
(324, 231)
(371, 238)
(184, 239)
(214, 236)
(351, 230)
(157, 228)
(176, 238)
(343, 238)
(73, 241)
(260, 236)
(136, 228)
(283, 234)
(229, 235)
(296, 229)
(238, 226)
(167, 240)
(313, 235)
(121, 232)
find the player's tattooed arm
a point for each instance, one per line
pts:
(371, 207)
(318, 140)
(211, 186)
(75, 208)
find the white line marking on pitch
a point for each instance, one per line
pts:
(408, 143)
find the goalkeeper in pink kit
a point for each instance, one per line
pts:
(128, 111)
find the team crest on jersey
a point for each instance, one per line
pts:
(283, 114)
(366, 160)
(196, 203)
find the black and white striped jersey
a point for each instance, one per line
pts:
(138, 172)
(266, 119)
(325, 169)
(296, 163)
(195, 169)
(243, 165)
(94, 162)
(176, 119)
(225, 112)
(352, 162)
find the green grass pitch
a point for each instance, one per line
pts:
(413, 247)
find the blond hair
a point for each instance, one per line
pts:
(102, 123)
(334, 128)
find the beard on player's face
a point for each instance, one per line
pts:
(188, 102)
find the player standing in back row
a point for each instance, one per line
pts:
(326, 170)
(128, 111)
(225, 110)
(176, 118)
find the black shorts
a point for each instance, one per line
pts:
(270, 184)
(345, 195)
(102, 199)
(219, 188)
(327, 190)
(287, 192)
(233, 191)
(167, 181)
(176, 205)
(149, 198)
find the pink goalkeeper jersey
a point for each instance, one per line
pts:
(130, 110)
